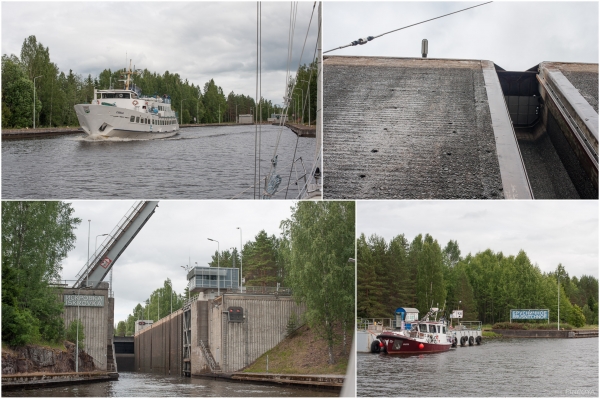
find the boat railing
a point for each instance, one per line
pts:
(468, 325)
(373, 324)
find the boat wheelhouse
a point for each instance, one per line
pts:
(417, 337)
(126, 113)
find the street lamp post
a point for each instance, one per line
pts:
(308, 81)
(302, 104)
(34, 101)
(187, 269)
(241, 262)
(558, 292)
(181, 112)
(87, 275)
(77, 333)
(218, 267)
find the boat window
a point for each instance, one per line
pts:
(132, 119)
(423, 327)
(137, 119)
(431, 328)
(133, 95)
(438, 329)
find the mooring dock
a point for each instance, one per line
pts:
(44, 380)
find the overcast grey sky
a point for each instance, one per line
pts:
(550, 232)
(514, 35)
(198, 40)
(177, 231)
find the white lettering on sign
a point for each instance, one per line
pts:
(456, 314)
(529, 314)
(84, 300)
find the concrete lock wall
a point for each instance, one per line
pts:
(264, 326)
(158, 348)
(233, 346)
(95, 320)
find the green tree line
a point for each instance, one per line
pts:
(488, 284)
(57, 92)
(36, 237)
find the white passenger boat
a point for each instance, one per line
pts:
(126, 113)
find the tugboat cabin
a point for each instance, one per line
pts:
(405, 317)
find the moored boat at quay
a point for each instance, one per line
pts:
(126, 113)
(423, 336)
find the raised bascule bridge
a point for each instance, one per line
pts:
(422, 128)
(222, 328)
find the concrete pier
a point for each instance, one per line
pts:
(46, 380)
(302, 130)
(96, 311)
(14, 134)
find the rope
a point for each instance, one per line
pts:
(288, 89)
(369, 38)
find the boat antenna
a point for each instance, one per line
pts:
(369, 38)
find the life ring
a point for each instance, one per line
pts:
(135, 102)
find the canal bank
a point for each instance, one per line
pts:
(329, 383)
(136, 384)
(47, 380)
(546, 333)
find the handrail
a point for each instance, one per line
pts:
(209, 358)
(114, 363)
(110, 239)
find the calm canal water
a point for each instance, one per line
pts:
(152, 385)
(499, 367)
(198, 163)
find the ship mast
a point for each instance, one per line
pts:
(128, 73)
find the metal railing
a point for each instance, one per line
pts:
(208, 357)
(467, 325)
(376, 324)
(110, 239)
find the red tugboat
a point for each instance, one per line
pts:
(425, 336)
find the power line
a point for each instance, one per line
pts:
(369, 38)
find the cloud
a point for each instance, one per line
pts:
(198, 40)
(515, 35)
(550, 232)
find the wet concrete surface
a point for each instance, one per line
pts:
(585, 81)
(547, 175)
(407, 128)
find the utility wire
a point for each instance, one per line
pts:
(369, 38)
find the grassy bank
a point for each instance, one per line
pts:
(490, 334)
(304, 353)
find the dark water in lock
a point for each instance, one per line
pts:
(198, 163)
(499, 367)
(154, 385)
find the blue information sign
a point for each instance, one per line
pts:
(529, 314)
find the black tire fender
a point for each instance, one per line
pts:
(375, 346)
